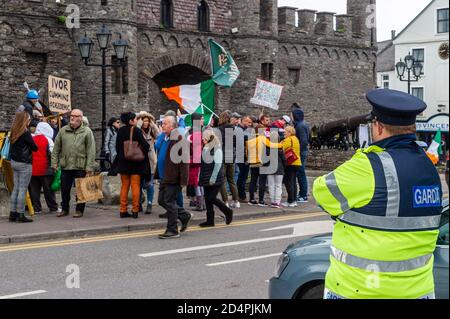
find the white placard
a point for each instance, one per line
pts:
(267, 94)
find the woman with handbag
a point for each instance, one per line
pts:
(291, 146)
(150, 132)
(21, 152)
(132, 163)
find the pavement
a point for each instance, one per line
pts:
(101, 220)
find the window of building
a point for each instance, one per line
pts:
(385, 80)
(104, 2)
(294, 75)
(203, 16)
(267, 71)
(419, 56)
(166, 13)
(119, 77)
(442, 20)
(418, 92)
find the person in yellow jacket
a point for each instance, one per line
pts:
(255, 155)
(291, 146)
(387, 203)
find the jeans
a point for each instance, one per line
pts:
(135, 182)
(301, 176)
(211, 199)
(22, 177)
(242, 180)
(167, 199)
(275, 187)
(262, 187)
(150, 190)
(67, 180)
(290, 180)
(229, 174)
(42, 182)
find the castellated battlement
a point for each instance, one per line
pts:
(313, 26)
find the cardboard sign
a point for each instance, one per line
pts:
(267, 94)
(59, 98)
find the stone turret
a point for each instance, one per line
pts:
(364, 20)
(324, 24)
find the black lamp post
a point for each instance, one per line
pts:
(85, 46)
(409, 65)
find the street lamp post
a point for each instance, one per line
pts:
(85, 46)
(409, 65)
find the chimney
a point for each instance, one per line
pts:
(393, 34)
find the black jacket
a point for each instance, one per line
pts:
(281, 162)
(22, 150)
(207, 169)
(230, 156)
(126, 167)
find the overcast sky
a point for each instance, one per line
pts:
(391, 14)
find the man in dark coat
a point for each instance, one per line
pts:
(176, 175)
(302, 131)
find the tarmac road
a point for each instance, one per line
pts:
(237, 264)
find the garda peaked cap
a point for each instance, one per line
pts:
(394, 107)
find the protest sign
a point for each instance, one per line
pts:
(267, 94)
(59, 98)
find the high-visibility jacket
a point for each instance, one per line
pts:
(387, 201)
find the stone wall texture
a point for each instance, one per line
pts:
(326, 71)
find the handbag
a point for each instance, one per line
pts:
(56, 183)
(132, 150)
(89, 189)
(5, 153)
(291, 157)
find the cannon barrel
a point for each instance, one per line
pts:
(334, 127)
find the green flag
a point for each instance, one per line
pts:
(224, 69)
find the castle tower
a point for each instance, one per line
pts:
(364, 20)
(121, 85)
(256, 17)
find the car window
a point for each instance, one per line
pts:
(444, 217)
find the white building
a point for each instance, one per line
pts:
(427, 39)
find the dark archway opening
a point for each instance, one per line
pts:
(180, 74)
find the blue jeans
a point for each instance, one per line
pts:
(150, 190)
(180, 201)
(301, 177)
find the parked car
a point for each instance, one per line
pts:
(300, 272)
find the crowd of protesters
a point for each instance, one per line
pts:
(222, 156)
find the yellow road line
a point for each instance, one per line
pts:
(18, 247)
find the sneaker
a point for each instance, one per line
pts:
(78, 214)
(169, 235)
(252, 203)
(227, 204)
(275, 205)
(184, 225)
(237, 204)
(262, 204)
(292, 205)
(302, 200)
(62, 214)
(285, 204)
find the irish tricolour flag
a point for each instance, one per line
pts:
(435, 148)
(197, 98)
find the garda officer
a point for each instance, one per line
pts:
(387, 203)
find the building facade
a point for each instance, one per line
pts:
(324, 68)
(427, 39)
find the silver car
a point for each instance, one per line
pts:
(301, 269)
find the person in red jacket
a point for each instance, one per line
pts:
(42, 174)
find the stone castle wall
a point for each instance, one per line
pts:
(326, 70)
